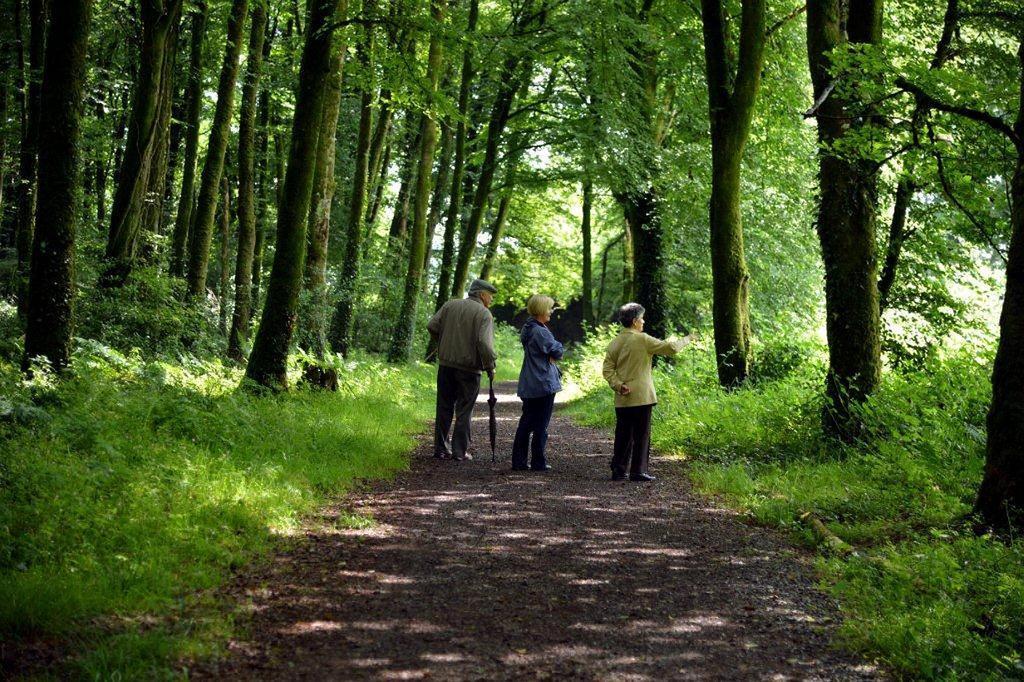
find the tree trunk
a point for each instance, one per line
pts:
(48, 331)
(157, 186)
(440, 186)
(345, 306)
(225, 251)
(648, 287)
(454, 215)
(1001, 495)
(404, 332)
(194, 97)
(201, 230)
(265, 195)
(27, 156)
(604, 272)
(898, 235)
(268, 363)
(159, 30)
(509, 84)
(398, 233)
(497, 231)
(241, 315)
(588, 266)
(845, 220)
(315, 319)
(731, 99)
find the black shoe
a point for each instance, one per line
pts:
(440, 455)
(618, 476)
(465, 458)
(641, 477)
(546, 467)
(520, 468)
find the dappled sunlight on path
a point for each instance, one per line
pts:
(472, 571)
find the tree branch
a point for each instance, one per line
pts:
(992, 121)
(797, 11)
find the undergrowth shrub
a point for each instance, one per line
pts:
(950, 607)
(133, 485)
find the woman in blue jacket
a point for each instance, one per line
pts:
(538, 383)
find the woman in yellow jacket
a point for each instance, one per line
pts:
(627, 369)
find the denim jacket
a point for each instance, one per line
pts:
(539, 376)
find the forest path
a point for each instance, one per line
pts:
(472, 571)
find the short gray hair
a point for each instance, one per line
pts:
(630, 312)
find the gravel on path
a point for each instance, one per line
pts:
(470, 571)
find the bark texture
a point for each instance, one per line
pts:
(731, 99)
(201, 230)
(48, 331)
(241, 314)
(193, 107)
(845, 223)
(405, 327)
(159, 33)
(268, 363)
(345, 306)
(1000, 499)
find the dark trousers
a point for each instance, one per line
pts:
(456, 395)
(632, 439)
(534, 421)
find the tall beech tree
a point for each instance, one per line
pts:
(640, 200)
(402, 337)
(508, 83)
(32, 78)
(201, 229)
(268, 363)
(1000, 500)
(731, 99)
(160, 19)
(193, 108)
(48, 331)
(454, 213)
(241, 314)
(314, 320)
(847, 205)
(345, 306)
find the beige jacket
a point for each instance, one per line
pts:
(464, 329)
(628, 361)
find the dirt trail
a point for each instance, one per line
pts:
(472, 571)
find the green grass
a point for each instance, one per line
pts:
(941, 603)
(131, 490)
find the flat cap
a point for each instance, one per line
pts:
(478, 285)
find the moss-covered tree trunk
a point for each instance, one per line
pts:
(32, 77)
(587, 293)
(405, 327)
(241, 314)
(454, 214)
(159, 33)
(1000, 499)
(646, 268)
(731, 99)
(201, 229)
(48, 331)
(193, 107)
(437, 198)
(345, 306)
(846, 217)
(225, 254)
(509, 82)
(268, 363)
(266, 185)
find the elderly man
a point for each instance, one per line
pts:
(464, 331)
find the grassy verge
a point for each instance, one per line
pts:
(942, 603)
(130, 490)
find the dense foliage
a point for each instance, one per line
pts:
(198, 196)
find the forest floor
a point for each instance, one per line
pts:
(467, 570)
